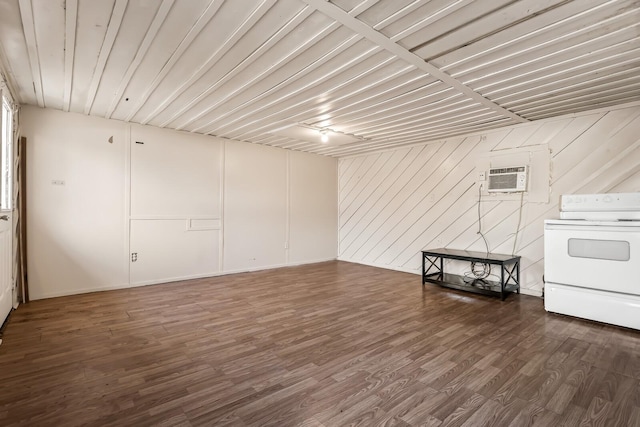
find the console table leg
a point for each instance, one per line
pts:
(423, 272)
(502, 283)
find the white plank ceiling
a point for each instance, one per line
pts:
(389, 72)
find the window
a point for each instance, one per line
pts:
(6, 180)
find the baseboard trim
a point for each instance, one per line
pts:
(64, 293)
(271, 267)
(386, 267)
(169, 280)
(524, 291)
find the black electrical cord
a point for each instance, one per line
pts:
(485, 270)
(515, 238)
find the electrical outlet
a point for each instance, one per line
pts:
(482, 176)
(286, 245)
(57, 182)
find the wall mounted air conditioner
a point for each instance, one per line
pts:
(508, 180)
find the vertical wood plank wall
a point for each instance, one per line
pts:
(395, 203)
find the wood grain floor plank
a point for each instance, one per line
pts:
(465, 411)
(572, 416)
(588, 388)
(485, 415)
(319, 345)
(561, 398)
(596, 413)
(634, 420)
(453, 402)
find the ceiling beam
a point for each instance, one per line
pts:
(391, 46)
(71, 17)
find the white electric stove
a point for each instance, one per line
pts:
(592, 258)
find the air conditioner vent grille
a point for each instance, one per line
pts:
(507, 170)
(508, 180)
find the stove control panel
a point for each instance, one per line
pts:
(613, 206)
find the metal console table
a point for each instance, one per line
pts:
(433, 271)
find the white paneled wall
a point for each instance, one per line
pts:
(172, 171)
(76, 205)
(255, 206)
(188, 205)
(395, 203)
(166, 250)
(176, 204)
(312, 200)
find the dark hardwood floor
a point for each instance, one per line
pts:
(327, 344)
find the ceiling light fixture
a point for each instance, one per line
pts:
(323, 136)
(316, 134)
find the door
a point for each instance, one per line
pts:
(6, 206)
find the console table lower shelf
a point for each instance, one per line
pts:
(509, 272)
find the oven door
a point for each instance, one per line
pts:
(601, 256)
